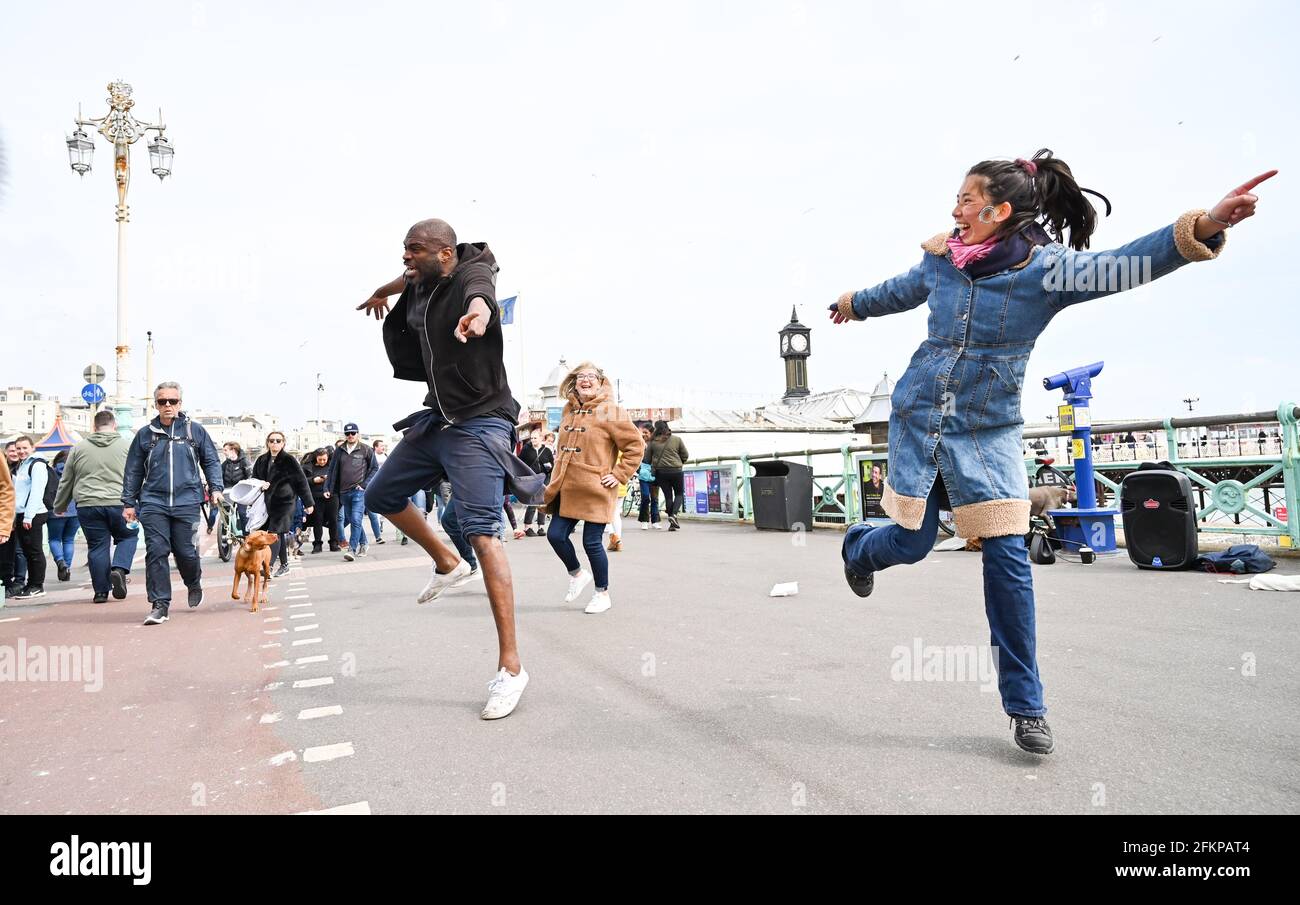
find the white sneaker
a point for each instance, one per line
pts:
(645, 526)
(365, 549)
(466, 579)
(659, 526)
(576, 584)
(599, 602)
(348, 555)
(503, 694)
(439, 583)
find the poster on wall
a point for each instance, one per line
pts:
(709, 492)
(872, 474)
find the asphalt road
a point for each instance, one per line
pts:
(696, 692)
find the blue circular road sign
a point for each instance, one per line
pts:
(93, 393)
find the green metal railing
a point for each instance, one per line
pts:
(1230, 489)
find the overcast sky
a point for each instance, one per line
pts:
(660, 182)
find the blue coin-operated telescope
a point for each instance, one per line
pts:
(1088, 528)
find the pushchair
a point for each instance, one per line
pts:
(232, 528)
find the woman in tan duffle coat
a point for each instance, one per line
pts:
(594, 430)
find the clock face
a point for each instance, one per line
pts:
(785, 344)
(799, 342)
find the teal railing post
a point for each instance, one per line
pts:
(745, 489)
(850, 486)
(1290, 470)
(1171, 438)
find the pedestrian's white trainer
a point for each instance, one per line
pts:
(645, 526)
(503, 694)
(658, 526)
(599, 602)
(474, 573)
(439, 583)
(576, 584)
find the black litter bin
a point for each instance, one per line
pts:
(782, 494)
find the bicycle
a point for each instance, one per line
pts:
(230, 534)
(632, 502)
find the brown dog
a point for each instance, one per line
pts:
(254, 560)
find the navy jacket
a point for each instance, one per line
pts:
(164, 464)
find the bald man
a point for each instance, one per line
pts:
(445, 330)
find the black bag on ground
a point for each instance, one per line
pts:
(1240, 559)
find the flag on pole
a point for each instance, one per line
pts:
(507, 307)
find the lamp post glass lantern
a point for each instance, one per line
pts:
(160, 157)
(81, 151)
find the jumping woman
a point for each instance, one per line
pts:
(992, 285)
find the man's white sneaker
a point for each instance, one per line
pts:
(439, 583)
(599, 603)
(658, 526)
(503, 694)
(645, 526)
(474, 573)
(348, 555)
(576, 584)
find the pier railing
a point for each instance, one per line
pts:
(1244, 485)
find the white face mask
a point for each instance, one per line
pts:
(232, 455)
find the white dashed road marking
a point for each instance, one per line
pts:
(313, 713)
(359, 807)
(327, 752)
(314, 683)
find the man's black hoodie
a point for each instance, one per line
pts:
(465, 380)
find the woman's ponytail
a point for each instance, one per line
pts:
(1041, 189)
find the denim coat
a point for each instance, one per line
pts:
(956, 411)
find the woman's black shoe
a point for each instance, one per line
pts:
(100, 598)
(862, 585)
(1033, 734)
(65, 574)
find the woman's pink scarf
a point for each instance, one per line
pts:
(968, 254)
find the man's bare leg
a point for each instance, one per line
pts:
(412, 523)
(501, 594)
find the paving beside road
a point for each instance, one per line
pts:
(697, 692)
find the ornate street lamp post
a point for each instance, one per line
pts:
(122, 130)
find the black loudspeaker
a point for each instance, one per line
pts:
(1159, 515)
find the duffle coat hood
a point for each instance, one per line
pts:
(591, 436)
(956, 411)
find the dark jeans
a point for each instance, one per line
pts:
(353, 506)
(1008, 595)
(280, 548)
(62, 533)
(535, 514)
(325, 514)
(30, 541)
(672, 484)
(592, 532)
(649, 502)
(167, 533)
(105, 528)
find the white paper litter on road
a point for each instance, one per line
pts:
(787, 589)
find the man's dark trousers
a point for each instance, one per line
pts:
(170, 532)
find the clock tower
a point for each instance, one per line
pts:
(795, 350)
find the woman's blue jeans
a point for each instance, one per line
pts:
(62, 532)
(1008, 596)
(592, 534)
